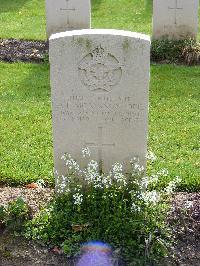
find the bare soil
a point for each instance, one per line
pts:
(184, 219)
(13, 50)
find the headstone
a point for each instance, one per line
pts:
(100, 84)
(175, 19)
(62, 15)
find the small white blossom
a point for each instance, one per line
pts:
(134, 160)
(151, 156)
(150, 197)
(172, 185)
(93, 165)
(64, 157)
(78, 198)
(163, 172)
(188, 204)
(72, 164)
(135, 208)
(117, 175)
(144, 182)
(86, 152)
(153, 179)
(117, 167)
(41, 183)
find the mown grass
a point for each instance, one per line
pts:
(26, 135)
(22, 19)
(174, 122)
(25, 118)
(25, 19)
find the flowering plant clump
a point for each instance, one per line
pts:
(116, 208)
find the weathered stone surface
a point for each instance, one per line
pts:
(62, 15)
(175, 19)
(100, 84)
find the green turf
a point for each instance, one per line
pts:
(22, 19)
(25, 19)
(175, 120)
(26, 135)
(25, 118)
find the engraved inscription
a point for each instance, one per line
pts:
(99, 145)
(67, 9)
(176, 8)
(100, 71)
(105, 109)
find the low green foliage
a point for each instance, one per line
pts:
(117, 209)
(185, 52)
(14, 215)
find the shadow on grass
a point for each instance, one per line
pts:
(35, 84)
(10, 5)
(95, 4)
(149, 7)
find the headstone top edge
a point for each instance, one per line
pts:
(83, 32)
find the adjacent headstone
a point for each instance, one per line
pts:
(175, 19)
(100, 84)
(62, 15)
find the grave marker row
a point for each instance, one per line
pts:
(172, 19)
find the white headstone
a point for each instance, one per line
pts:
(62, 15)
(175, 19)
(100, 85)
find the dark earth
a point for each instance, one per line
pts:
(184, 218)
(23, 51)
(29, 51)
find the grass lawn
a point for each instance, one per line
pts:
(25, 19)
(25, 117)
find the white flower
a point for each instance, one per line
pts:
(153, 179)
(41, 183)
(117, 174)
(188, 204)
(78, 198)
(151, 156)
(150, 197)
(163, 172)
(64, 157)
(178, 179)
(135, 208)
(86, 152)
(144, 182)
(117, 167)
(138, 169)
(134, 160)
(106, 181)
(172, 185)
(72, 164)
(93, 165)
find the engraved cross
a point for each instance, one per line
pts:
(68, 9)
(176, 8)
(100, 145)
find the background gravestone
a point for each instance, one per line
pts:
(100, 84)
(175, 19)
(62, 15)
